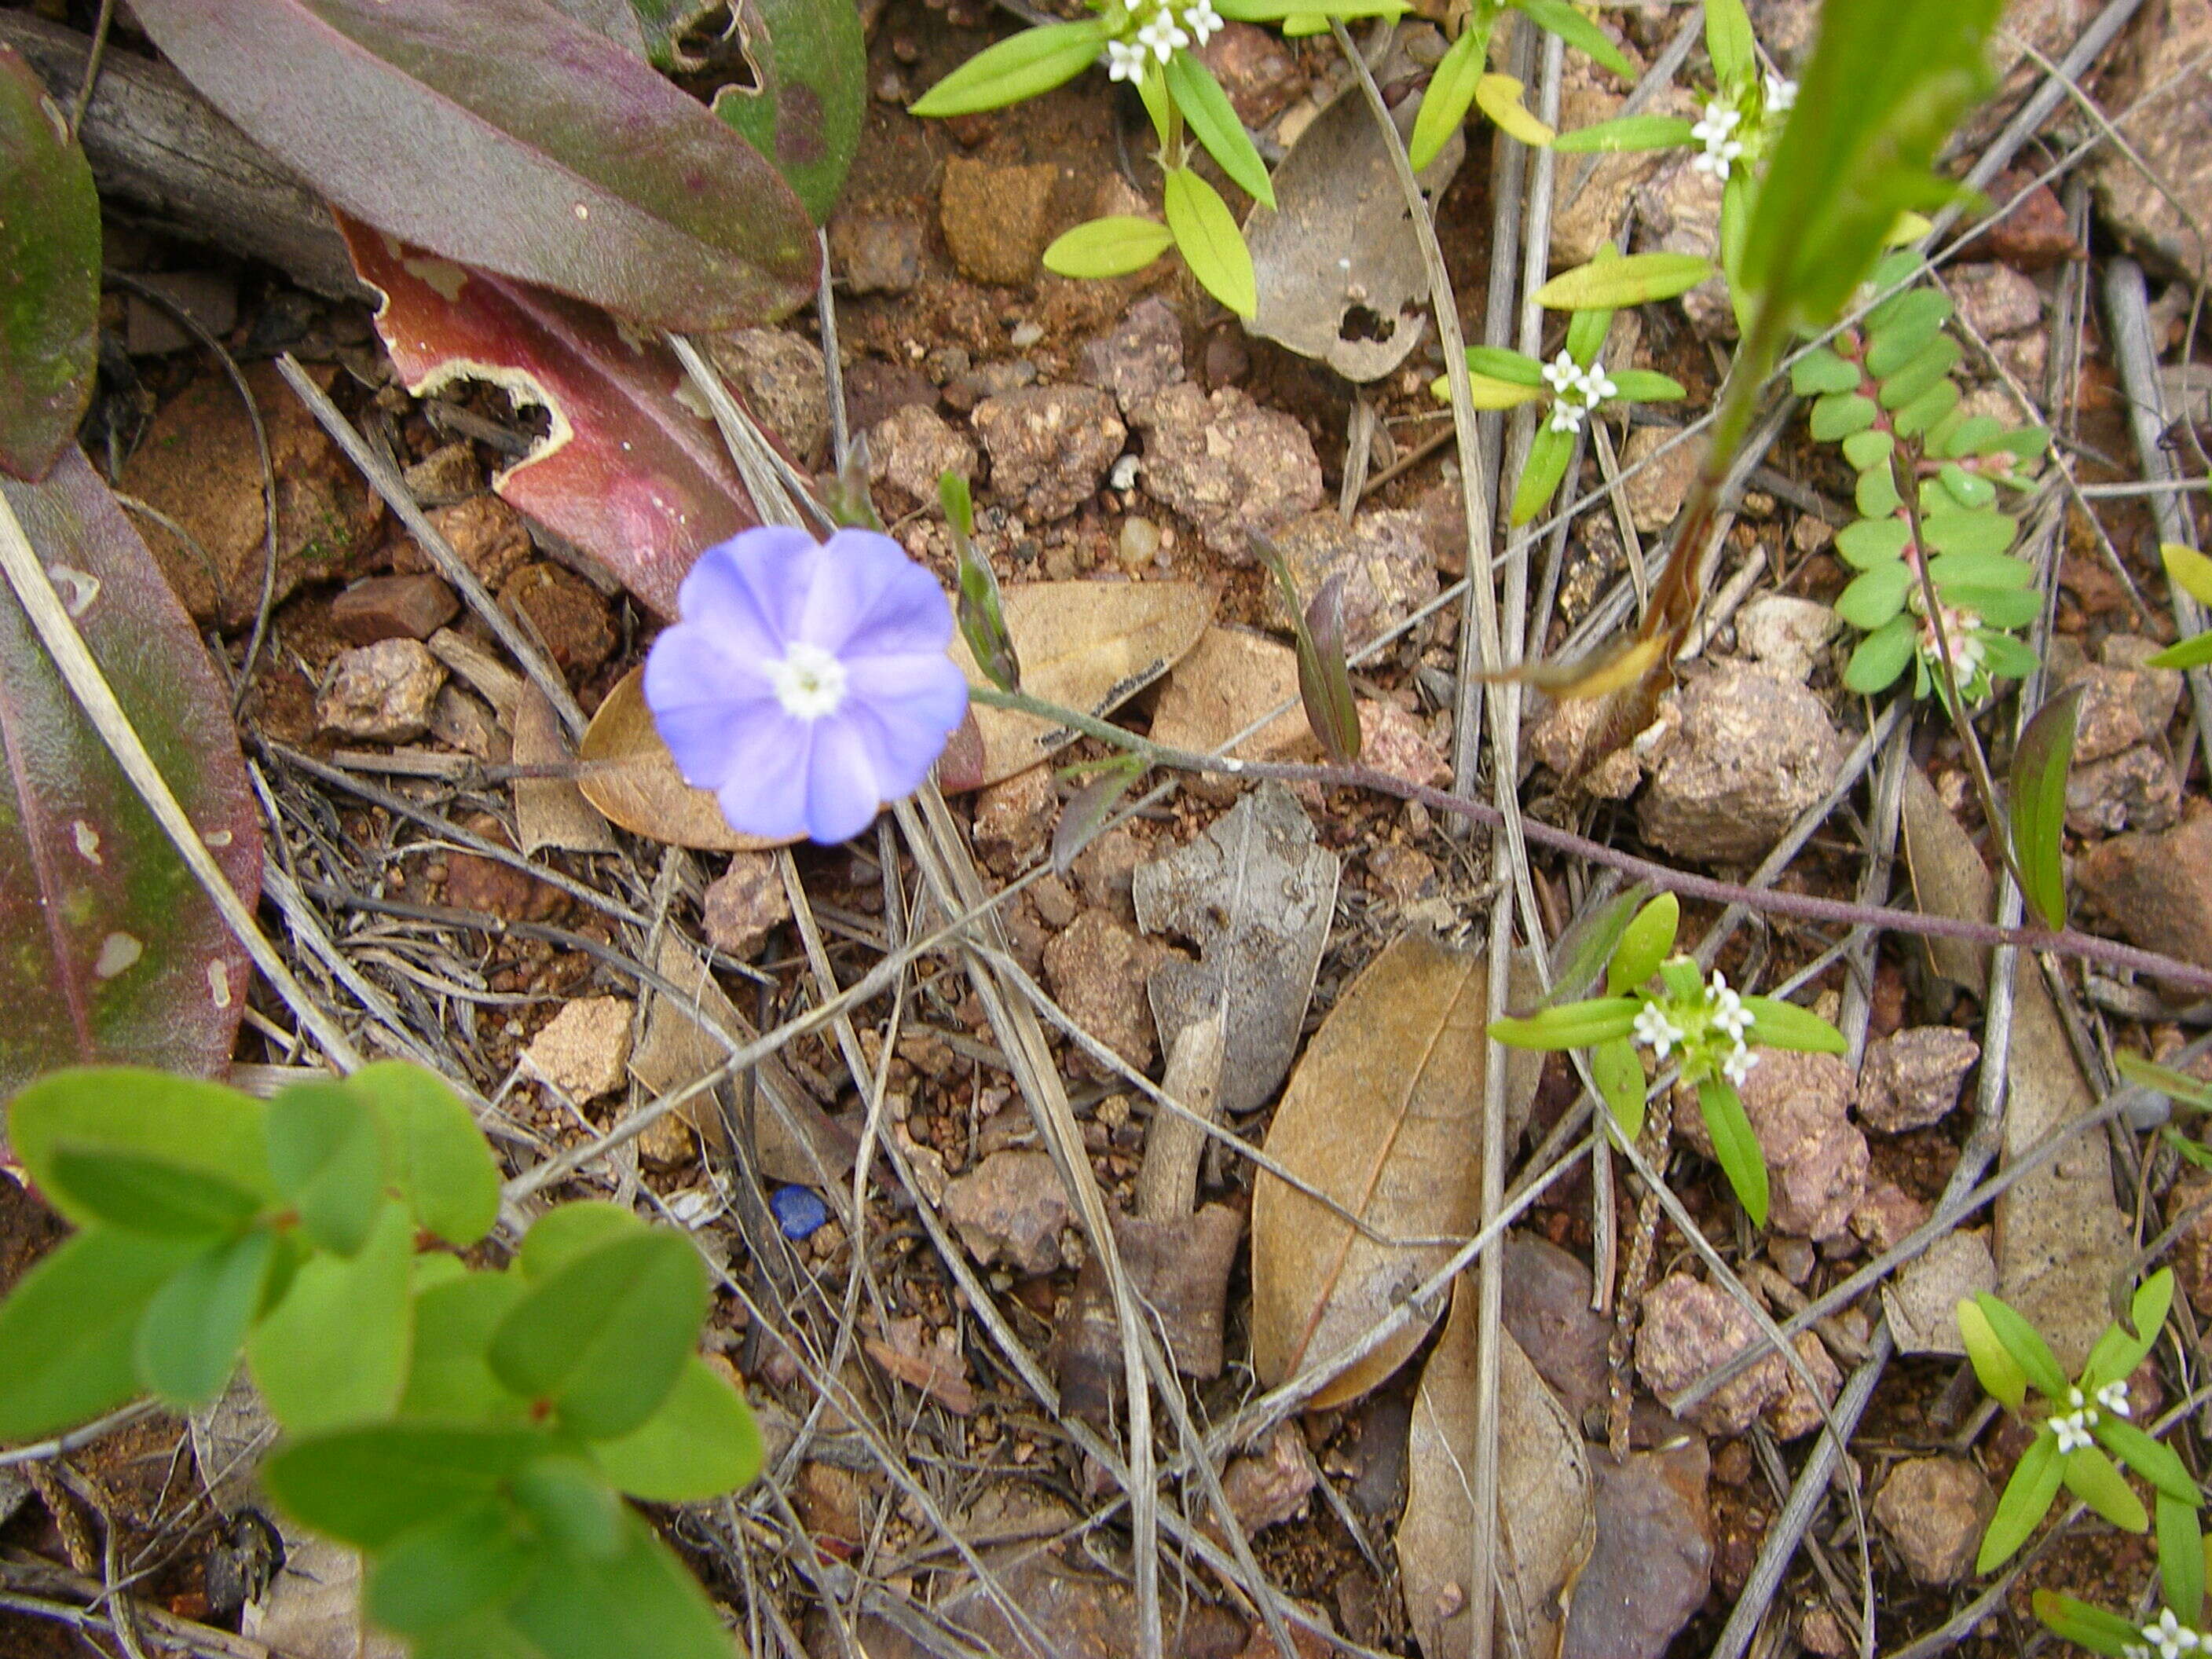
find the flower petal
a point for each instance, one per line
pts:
(752, 588)
(868, 596)
(714, 743)
(690, 665)
(904, 708)
(842, 798)
(763, 792)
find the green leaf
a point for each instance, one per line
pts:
(1206, 107)
(1734, 1145)
(1325, 674)
(2000, 1373)
(2091, 1477)
(2192, 653)
(1880, 658)
(369, 1486)
(1586, 330)
(1211, 244)
(449, 1377)
(1874, 596)
(1625, 132)
(1570, 1025)
(1875, 495)
(1840, 413)
(1558, 18)
(1932, 363)
(1644, 385)
(202, 1126)
(187, 1345)
(702, 1443)
(2028, 1498)
(327, 1158)
(2188, 570)
(2001, 607)
(1290, 12)
(1728, 44)
(2185, 1090)
(1084, 814)
(1549, 454)
(1021, 66)
(1513, 368)
(977, 607)
(1646, 942)
(2004, 657)
(2039, 762)
(1499, 97)
(2180, 1557)
(1923, 412)
(571, 1507)
(1971, 435)
(67, 1328)
(334, 1352)
(1615, 284)
(805, 114)
(1867, 450)
(1778, 1024)
(438, 1157)
(1821, 370)
(603, 1336)
(1582, 952)
(1899, 330)
(1680, 979)
(1618, 1075)
(449, 1569)
(144, 1195)
(49, 300)
(2025, 1344)
(1949, 570)
(2154, 1460)
(638, 1602)
(2119, 1350)
(2090, 1627)
(1484, 393)
(569, 1231)
(1967, 488)
(1112, 246)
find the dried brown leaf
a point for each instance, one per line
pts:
(630, 776)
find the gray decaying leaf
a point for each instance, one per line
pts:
(1255, 894)
(1547, 1521)
(1339, 267)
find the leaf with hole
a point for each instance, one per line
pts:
(50, 291)
(2039, 764)
(1112, 246)
(809, 94)
(67, 1327)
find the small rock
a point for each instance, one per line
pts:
(2033, 233)
(2157, 889)
(1226, 465)
(566, 611)
(447, 474)
(1651, 1561)
(1785, 634)
(1688, 1328)
(1750, 753)
(1255, 70)
(781, 378)
(1886, 1215)
(996, 218)
(487, 534)
(1681, 208)
(1054, 900)
(1799, 1411)
(1013, 819)
(1097, 970)
(1546, 1308)
(1933, 1509)
(1391, 740)
(584, 1051)
(1816, 1161)
(963, 391)
(1400, 873)
(876, 252)
(1823, 1633)
(1795, 1258)
(382, 692)
(208, 298)
(393, 608)
(2123, 702)
(1141, 355)
(2159, 82)
(1049, 447)
(1270, 1487)
(1910, 1078)
(744, 905)
(875, 389)
(2135, 789)
(1994, 300)
(1655, 492)
(1382, 554)
(1010, 1209)
(491, 887)
(1105, 870)
(911, 447)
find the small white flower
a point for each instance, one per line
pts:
(1729, 1013)
(2073, 1433)
(1163, 35)
(1566, 416)
(2113, 1397)
(1781, 94)
(1204, 21)
(1653, 1028)
(2134, 1650)
(1737, 1066)
(1125, 61)
(1713, 132)
(2170, 1637)
(1563, 374)
(1597, 385)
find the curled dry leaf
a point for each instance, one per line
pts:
(1383, 1114)
(1547, 1511)
(633, 471)
(2060, 1239)
(110, 952)
(1086, 646)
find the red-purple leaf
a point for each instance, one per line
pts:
(2039, 764)
(632, 473)
(49, 275)
(506, 135)
(109, 951)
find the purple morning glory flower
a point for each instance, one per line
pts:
(807, 683)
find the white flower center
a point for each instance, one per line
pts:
(809, 682)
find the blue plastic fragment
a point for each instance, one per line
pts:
(799, 1210)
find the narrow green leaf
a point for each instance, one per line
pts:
(1735, 1146)
(1289, 12)
(334, 1352)
(638, 1602)
(1874, 596)
(448, 1569)
(1840, 413)
(2090, 1627)
(2120, 1350)
(1499, 97)
(603, 1336)
(1618, 1075)
(2155, 1462)
(2192, 653)
(2000, 1373)
(2024, 1344)
(1484, 393)
(2185, 1090)
(1588, 944)
(1086, 811)
(1557, 17)
(1112, 246)
(50, 250)
(1210, 241)
(438, 1158)
(1570, 1026)
(2091, 1477)
(1514, 367)
(1625, 132)
(144, 1195)
(2180, 1557)
(66, 1329)
(369, 1486)
(327, 1158)
(1549, 455)
(982, 612)
(1325, 674)
(1206, 107)
(1450, 95)
(186, 1346)
(1021, 66)
(1645, 943)
(702, 1443)
(2028, 1498)
(1644, 385)
(1728, 44)
(1615, 285)
(1778, 1024)
(2039, 764)
(2188, 570)
(183, 1120)
(1880, 658)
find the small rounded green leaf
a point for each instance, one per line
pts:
(638, 1602)
(1614, 284)
(371, 1485)
(1210, 241)
(1901, 328)
(1923, 412)
(186, 1346)
(2025, 1344)
(1840, 413)
(1112, 246)
(327, 1158)
(1821, 370)
(1206, 107)
(1874, 596)
(142, 1195)
(448, 1378)
(1867, 450)
(1870, 542)
(1969, 490)
(569, 1230)
(1875, 495)
(1648, 940)
(449, 1569)
(1880, 658)
(66, 1328)
(701, 1443)
(334, 1352)
(1021, 66)
(1735, 1146)
(202, 1125)
(1968, 531)
(1949, 570)
(438, 1157)
(2000, 607)
(572, 1507)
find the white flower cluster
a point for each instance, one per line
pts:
(1575, 391)
(1662, 1027)
(1717, 132)
(1780, 95)
(2073, 1427)
(1963, 630)
(2169, 1638)
(1161, 29)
